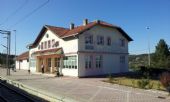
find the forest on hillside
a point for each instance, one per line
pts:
(159, 59)
(3, 59)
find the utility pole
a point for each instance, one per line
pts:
(15, 51)
(8, 33)
(149, 57)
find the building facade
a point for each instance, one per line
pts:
(22, 61)
(94, 48)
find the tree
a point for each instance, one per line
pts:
(162, 55)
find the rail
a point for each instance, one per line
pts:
(13, 90)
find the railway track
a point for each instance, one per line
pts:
(9, 93)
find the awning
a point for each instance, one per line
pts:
(56, 51)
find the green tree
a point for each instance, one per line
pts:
(161, 56)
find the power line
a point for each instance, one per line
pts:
(14, 13)
(29, 14)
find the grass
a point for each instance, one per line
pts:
(133, 82)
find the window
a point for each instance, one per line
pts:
(88, 62)
(56, 44)
(100, 40)
(49, 44)
(108, 41)
(99, 61)
(53, 43)
(42, 45)
(38, 47)
(32, 62)
(47, 35)
(88, 39)
(45, 47)
(70, 62)
(122, 42)
(122, 59)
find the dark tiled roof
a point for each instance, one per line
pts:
(23, 56)
(65, 32)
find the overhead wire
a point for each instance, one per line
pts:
(14, 13)
(29, 14)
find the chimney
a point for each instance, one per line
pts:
(85, 22)
(71, 26)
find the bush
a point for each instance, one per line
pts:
(133, 83)
(143, 83)
(150, 86)
(165, 80)
(110, 78)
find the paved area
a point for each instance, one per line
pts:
(85, 89)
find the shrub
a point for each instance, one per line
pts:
(158, 86)
(110, 78)
(165, 80)
(150, 86)
(143, 83)
(133, 83)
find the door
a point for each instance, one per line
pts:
(57, 64)
(48, 65)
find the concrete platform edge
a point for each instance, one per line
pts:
(37, 92)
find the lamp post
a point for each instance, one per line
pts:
(8, 33)
(149, 57)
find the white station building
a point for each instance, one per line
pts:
(91, 49)
(22, 61)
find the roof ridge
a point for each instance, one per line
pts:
(56, 27)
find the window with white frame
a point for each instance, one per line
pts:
(88, 61)
(108, 41)
(45, 45)
(100, 40)
(39, 47)
(88, 39)
(32, 62)
(70, 62)
(49, 43)
(122, 42)
(99, 61)
(42, 45)
(53, 43)
(122, 59)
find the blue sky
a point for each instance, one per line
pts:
(132, 15)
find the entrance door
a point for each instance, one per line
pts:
(48, 65)
(57, 64)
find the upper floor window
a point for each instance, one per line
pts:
(108, 41)
(53, 43)
(99, 61)
(42, 45)
(49, 44)
(88, 39)
(122, 42)
(122, 59)
(45, 45)
(38, 47)
(88, 61)
(56, 44)
(47, 35)
(100, 40)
